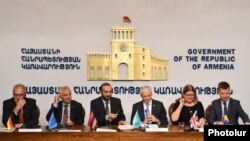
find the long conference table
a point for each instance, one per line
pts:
(86, 134)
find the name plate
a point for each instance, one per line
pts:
(105, 130)
(69, 130)
(30, 130)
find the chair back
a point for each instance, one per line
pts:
(38, 111)
(170, 111)
(83, 112)
(208, 110)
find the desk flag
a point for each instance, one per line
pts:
(10, 122)
(52, 121)
(194, 121)
(225, 119)
(92, 122)
(136, 120)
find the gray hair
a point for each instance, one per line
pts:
(19, 86)
(144, 88)
(61, 89)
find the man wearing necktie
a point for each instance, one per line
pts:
(226, 110)
(21, 109)
(107, 109)
(66, 111)
(149, 110)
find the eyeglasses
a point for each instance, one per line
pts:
(19, 95)
(191, 95)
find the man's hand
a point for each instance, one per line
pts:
(19, 105)
(56, 99)
(112, 116)
(219, 123)
(19, 125)
(70, 122)
(122, 122)
(152, 118)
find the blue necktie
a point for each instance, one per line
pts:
(225, 116)
(225, 108)
(147, 110)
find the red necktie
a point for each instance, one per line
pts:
(65, 114)
(20, 116)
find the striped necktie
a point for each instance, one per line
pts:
(107, 107)
(65, 114)
(20, 116)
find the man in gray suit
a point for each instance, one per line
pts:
(226, 110)
(149, 110)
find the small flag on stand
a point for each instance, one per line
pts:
(194, 121)
(52, 121)
(136, 120)
(10, 123)
(92, 122)
(225, 119)
(126, 19)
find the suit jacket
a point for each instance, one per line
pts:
(97, 107)
(30, 114)
(158, 110)
(234, 112)
(76, 112)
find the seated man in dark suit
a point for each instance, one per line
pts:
(226, 110)
(107, 110)
(149, 110)
(66, 111)
(21, 109)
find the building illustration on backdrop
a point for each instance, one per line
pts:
(127, 61)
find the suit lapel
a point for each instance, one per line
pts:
(101, 106)
(113, 106)
(25, 109)
(72, 109)
(141, 111)
(60, 111)
(153, 112)
(219, 109)
(229, 108)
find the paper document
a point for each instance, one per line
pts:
(125, 127)
(154, 126)
(105, 130)
(156, 129)
(201, 129)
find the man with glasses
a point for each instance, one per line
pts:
(21, 109)
(67, 112)
(149, 110)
